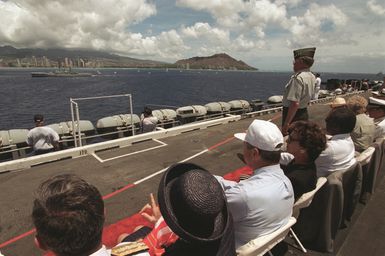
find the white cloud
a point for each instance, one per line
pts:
(376, 8)
(101, 24)
(320, 25)
(204, 30)
(259, 31)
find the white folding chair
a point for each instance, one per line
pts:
(263, 244)
(303, 202)
(366, 155)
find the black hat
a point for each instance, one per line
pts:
(193, 205)
(304, 52)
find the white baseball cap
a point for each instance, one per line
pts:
(263, 135)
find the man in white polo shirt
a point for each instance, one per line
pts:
(262, 203)
(339, 153)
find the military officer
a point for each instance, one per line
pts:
(299, 89)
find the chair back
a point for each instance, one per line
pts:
(370, 160)
(263, 244)
(318, 224)
(306, 199)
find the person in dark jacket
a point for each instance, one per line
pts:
(305, 142)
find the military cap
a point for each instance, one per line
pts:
(304, 52)
(376, 101)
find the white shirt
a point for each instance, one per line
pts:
(259, 205)
(149, 123)
(318, 83)
(42, 138)
(338, 155)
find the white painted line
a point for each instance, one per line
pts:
(162, 144)
(97, 158)
(163, 170)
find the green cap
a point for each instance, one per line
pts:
(304, 52)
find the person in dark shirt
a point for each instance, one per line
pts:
(305, 142)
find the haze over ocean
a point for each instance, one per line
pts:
(24, 96)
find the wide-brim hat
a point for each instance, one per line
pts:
(337, 102)
(193, 204)
(304, 52)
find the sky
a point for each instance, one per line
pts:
(349, 34)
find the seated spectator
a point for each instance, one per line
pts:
(68, 214)
(363, 133)
(376, 110)
(42, 139)
(193, 206)
(262, 203)
(148, 121)
(339, 153)
(305, 142)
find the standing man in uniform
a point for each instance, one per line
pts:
(299, 90)
(317, 87)
(43, 139)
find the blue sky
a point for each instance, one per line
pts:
(348, 34)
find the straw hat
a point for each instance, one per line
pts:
(337, 102)
(194, 206)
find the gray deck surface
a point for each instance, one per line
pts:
(17, 187)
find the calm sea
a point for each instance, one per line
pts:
(22, 96)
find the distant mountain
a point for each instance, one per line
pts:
(216, 61)
(28, 57)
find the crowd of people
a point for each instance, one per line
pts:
(201, 214)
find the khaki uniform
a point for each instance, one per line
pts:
(364, 132)
(300, 88)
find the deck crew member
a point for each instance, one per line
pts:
(317, 85)
(43, 139)
(262, 203)
(148, 122)
(299, 90)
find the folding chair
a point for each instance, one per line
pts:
(303, 202)
(369, 160)
(263, 244)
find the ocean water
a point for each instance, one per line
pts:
(22, 96)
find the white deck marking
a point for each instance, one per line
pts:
(162, 144)
(164, 169)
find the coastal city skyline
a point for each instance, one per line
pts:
(348, 34)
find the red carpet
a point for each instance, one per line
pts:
(127, 225)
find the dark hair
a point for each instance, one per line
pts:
(310, 136)
(68, 214)
(269, 156)
(147, 111)
(340, 120)
(38, 118)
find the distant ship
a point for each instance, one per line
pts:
(61, 73)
